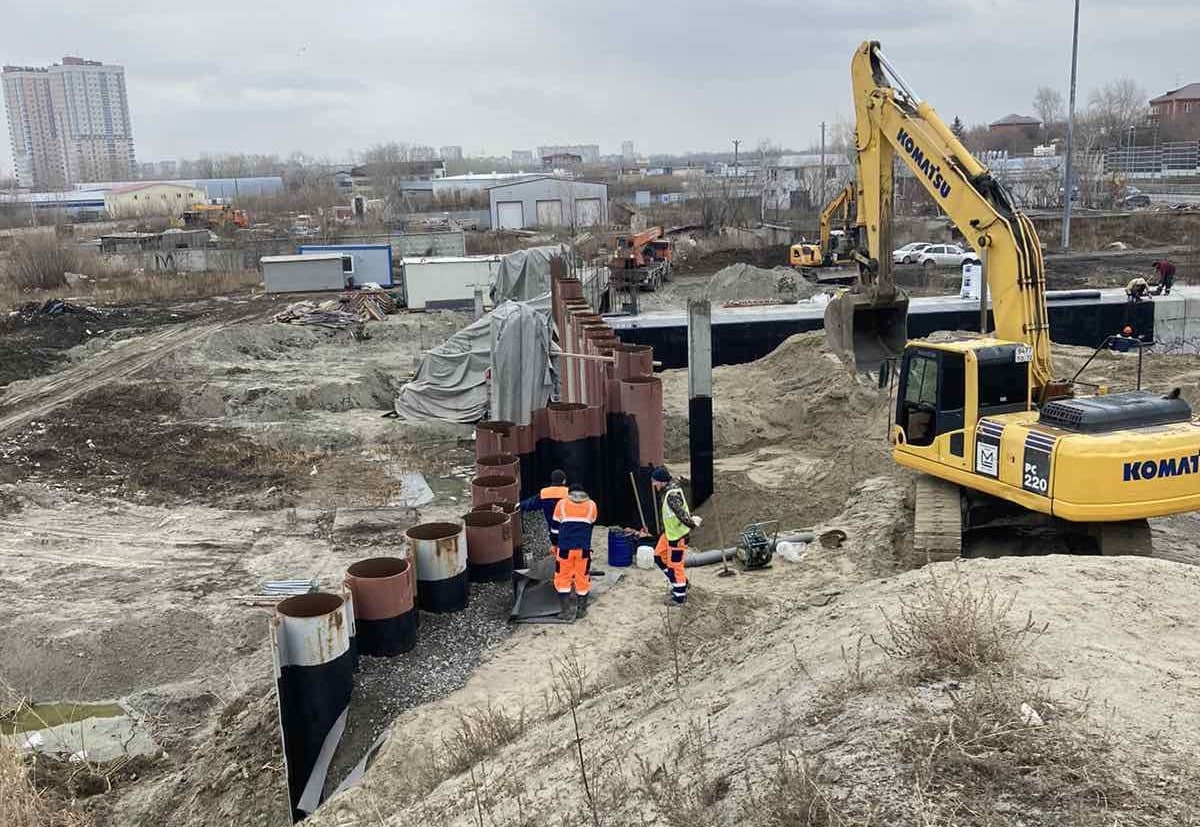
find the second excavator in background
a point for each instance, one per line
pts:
(832, 248)
(1000, 442)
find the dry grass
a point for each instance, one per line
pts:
(792, 795)
(21, 804)
(42, 262)
(128, 288)
(983, 754)
(480, 734)
(956, 628)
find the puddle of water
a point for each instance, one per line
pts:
(30, 718)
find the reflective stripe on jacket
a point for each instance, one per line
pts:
(575, 521)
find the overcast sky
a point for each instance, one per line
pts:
(494, 75)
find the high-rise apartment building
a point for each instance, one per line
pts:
(68, 123)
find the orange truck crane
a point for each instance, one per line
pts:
(642, 260)
(215, 217)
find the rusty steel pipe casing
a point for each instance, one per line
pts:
(385, 611)
(494, 437)
(440, 552)
(494, 487)
(634, 360)
(499, 465)
(489, 546)
(642, 398)
(314, 677)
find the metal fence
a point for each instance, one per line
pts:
(1176, 158)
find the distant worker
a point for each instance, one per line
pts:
(547, 501)
(677, 523)
(1137, 289)
(1166, 277)
(575, 515)
(1125, 340)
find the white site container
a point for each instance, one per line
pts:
(447, 282)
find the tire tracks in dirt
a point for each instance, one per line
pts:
(122, 361)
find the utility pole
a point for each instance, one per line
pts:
(823, 174)
(736, 143)
(1067, 188)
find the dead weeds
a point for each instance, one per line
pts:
(956, 628)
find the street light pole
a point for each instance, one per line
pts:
(1067, 188)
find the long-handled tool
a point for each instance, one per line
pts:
(725, 570)
(638, 498)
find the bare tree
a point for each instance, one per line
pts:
(1116, 107)
(1049, 106)
(389, 153)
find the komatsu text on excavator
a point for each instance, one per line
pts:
(1000, 441)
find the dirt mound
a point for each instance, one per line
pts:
(128, 441)
(795, 428)
(235, 777)
(833, 707)
(745, 282)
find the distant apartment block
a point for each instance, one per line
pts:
(522, 156)
(590, 153)
(68, 123)
(450, 153)
(627, 151)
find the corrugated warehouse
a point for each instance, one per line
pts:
(548, 202)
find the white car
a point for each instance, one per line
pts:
(909, 253)
(946, 255)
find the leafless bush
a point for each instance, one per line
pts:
(957, 629)
(480, 734)
(570, 688)
(793, 796)
(683, 787)
(22, 804)
(41, 262)
(1005, 738)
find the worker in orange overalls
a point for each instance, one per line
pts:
(677, 523)
(547, 501)
(575, 516)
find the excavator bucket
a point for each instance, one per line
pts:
(864, 330)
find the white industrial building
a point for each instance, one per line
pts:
(547, 202)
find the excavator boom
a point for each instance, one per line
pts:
(891, 119)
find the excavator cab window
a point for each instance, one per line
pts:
(933, 395)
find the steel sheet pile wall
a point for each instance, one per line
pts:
(605, 430)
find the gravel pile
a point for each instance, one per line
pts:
(449, 648)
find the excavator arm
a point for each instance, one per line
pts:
(892, 120)
(842, 202)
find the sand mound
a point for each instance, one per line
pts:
(794, 431)
(742, 282)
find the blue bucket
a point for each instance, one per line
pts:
(620, 548)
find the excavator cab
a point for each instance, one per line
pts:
(866, 325)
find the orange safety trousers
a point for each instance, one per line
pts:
(571, 569)
(669, 556)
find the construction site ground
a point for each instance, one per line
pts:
(154, 475)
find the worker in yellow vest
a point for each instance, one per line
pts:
(677, 523)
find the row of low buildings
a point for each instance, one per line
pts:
(141, 199)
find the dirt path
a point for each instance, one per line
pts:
(35, 398)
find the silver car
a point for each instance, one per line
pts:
(909, 253)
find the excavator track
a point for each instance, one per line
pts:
(1127, 537)
(937, 522)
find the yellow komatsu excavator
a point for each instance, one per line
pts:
(830, 250)
(999, 441)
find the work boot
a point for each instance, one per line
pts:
(564, 607)
(581, 611)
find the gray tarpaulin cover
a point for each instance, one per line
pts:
(451, 382)
(525, 274)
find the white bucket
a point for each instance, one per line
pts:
(645, 557)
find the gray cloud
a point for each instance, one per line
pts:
(672, 75)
